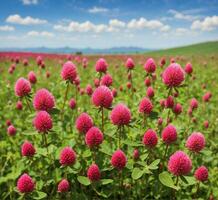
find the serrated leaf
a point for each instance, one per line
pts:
(166, 179)
(154, 164)
(83, 180)
(137, 173)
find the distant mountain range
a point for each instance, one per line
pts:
(65, 50)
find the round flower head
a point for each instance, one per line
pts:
(188, 68)
(19, 105)
(169, 102)
(118, 160)
(129, 64)
(120, 115)
(67, 156)
(147, 81)
(89, 90)
(69, 72)
(173, 75)
(145, 106)
(177, 109)
(194, 104)
(11, 130)
(43, 100)
(96, 82)
(32, 77)
(195, 142)
(114, 92)
(22, 87)
(39, 60)
(94, 137)
(150, 92)
(72, 103)
(169, 134)
(27, 149)
(107, 80)
(8, 122)
(162, 62)
(25, 184)
(206, 124)
(150, 138)
(83, 123)
(136, 154)
(63, 186)
(160, 121)
(93, 173)
(42, 122)
(207, 97)
(201, 174)
(102, 97)
(150, 66)
(179, 164)
(101, 65)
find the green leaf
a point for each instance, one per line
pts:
(33, 132)
(189, 180)
(106, 181)
(166, 179)
(154, 164)
(87, 153)
(39, 195)
(137, 173)
(83, 180)
(54, 111)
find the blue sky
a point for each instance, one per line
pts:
(107, 23)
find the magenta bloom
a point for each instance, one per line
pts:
(207, 96)
(94, 173)
(107, 80)
(32, 77)
(118, 160)
(206, 124)
(94, 137)
(120, 115)
(22, 87)
(42, 122)
(201, 174)
(102, 97)
(114, 92)
(150, 138)
(39, 60)
(150, 92)
(194, 104)
(43, 100)
(67, 156)
(169, 102)
(169, 134)
(150, 66)
(177, 109)
(173, 76)
(179, 164)
(129, 64)
(96, 82)
(25, 184)
(101, 65)
(145, 106)
(147, 81)
(195, 142)
(12, 130)
(72, 103)
(63, 186)
(69, 72)
(83, 123)
(89, 90)
(19, 105)
(188, 68)
(27, 149)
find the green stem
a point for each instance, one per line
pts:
(65, 98)
(28, 105)
(102, 119)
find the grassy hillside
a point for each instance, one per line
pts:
(201, 48)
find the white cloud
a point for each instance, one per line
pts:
(98, 10)
(181, 31)
(17, 19)
(42, 34)
(29, 2)
(7, 28)
(207, 24)
(180, 15)
(114, 25)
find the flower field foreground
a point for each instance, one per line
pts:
(111, 127)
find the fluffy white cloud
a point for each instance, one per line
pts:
(17, 19)
(165, 28)
(207, 24)
(43, 34)
(29, 2)
(98, 10)
(179, 15)
(7, 28)
(116, 23)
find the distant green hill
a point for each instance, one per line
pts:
(201, 48)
